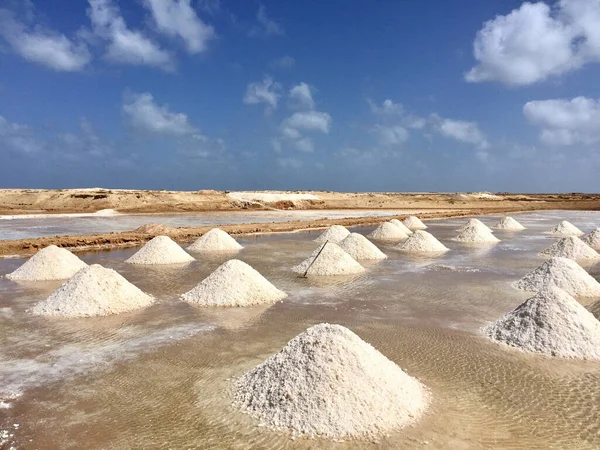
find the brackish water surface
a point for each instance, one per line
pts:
(160, 377)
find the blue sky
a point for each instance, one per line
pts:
(437, 95)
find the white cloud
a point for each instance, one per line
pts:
(566, 122)
(390, 135)
(178, 18)
(289, 163)
(266, 26)
(18, 139)
(266, 91)
(388, 107)
(301, 97)
(309, 121)
(124, 45)
(461, 130)
(304, 144)
(146, 116)
(535, 42)
(43, 46)
(285, 62)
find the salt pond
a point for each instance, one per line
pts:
(159, 377)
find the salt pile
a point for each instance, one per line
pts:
(329, 259)
(571, 247)
(233, 283)
(552, 323)
(387, 232)
(565, 229)
(335, 234)
(414, 223)
(509, 224)
(93, 291)
(160, 250)
(421, 241)
(50, 263)
(156, 229)
(402, 226)
(563, 273)
(328, 382)
(592, 239)
(475, 224)
(359, 247)
(215, 240)
(476, 234)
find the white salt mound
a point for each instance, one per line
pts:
(387, 232)
(563, 273)
(160, 250)
(233, 283)
(565, 229)
(592, 239)
(215, 240)
(414, 223)
(552, 323)
(403, 227)
(93, 291)
(475, 224)
(50, 263)
(571, 247)
(328, 382)
(335, 234)
(509, 224)
(359, 247)
(328, 260)
(421, 241)
(476, 234)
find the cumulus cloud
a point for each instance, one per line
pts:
(308, 121)
(301, 97)
(178, 18)
(266, 91)
(304, 144)
(460, 130)
(145, 116)
(566, 122)
(285, 62)
(43, 46)
(535, 42)
(390, 135)
(125, 46)
(388, 107)
(266, 26)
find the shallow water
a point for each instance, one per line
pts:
(13, 227)
(159, 378)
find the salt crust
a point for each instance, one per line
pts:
(160, 250)
(215, 240)
(421, 241)
(50, 263)
(328, 260)
(359, 247)
(335, 234)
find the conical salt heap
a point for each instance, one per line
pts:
(233, 283)
(563, 273)
(160, 250)
(215, 240)
(93, 291)
(565, 229)
(403, 227)
(475, 224)
(328, 382)
(50, 263)
(421, 242)
(476, 233)
(335, 234)
(593, 239)
(359, 247)
(552, 323)
(414, 223)
(509, 224)
(387, 232)
(328, 260)
(573, 248)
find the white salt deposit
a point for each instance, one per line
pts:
(328, 382)
(233, 283)
(160, 250)
(509, 224)
(571, 247)
(271, 196)
(388, 232)
(565, 229)
(359, 247)
(592, 239)
(335, 234)
(93, 291)
(552, 323)
(475, 224)
(328, 260)
(215, 240)
(50, 263)
(421, 241)
(476, 233)
(563, 273)
(403, 227)
(414, 223)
